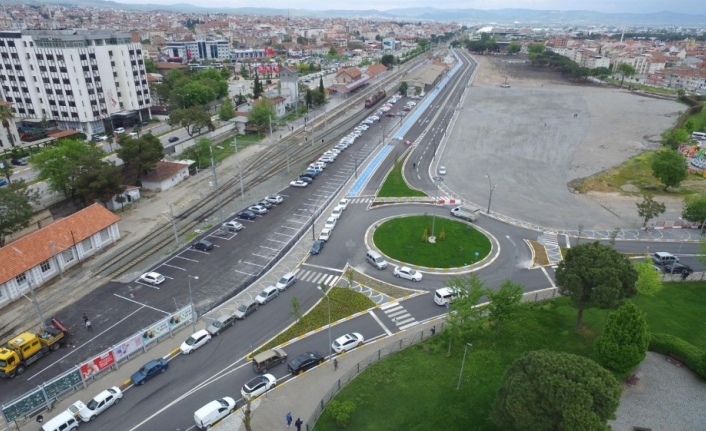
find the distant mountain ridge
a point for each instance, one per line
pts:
(472, 16)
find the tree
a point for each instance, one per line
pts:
(226, 111)
(296, 309)
(694, 209)
(140, 155)
(150, 66)
(649, 209)
(669, 167)
(504, 302)
(193, 119)
(257, 88)
(321, 85)
(261, 113)
(6, 116)
(60, 165)
(623, 344)
(102, 181)
(625, 69)
(466, 315)
(387, 60)
(672, 138)
(649, 281)
(199, 153)
(16, 210)
(243, 71)
(514, 48)
(332, 51)
(423, 44)
(309, 98)
(547, 391)
(595, 276)
(403, 88)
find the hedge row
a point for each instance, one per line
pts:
(693, 357)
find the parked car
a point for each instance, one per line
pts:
(202, 245)
(149, 370)
(275, 199)
(407, 273)
(347, 342)
(336, 213)
(317, 247)
(257, 209)
(245, 309)
(196, 340)
(100, 403)
(299, 183)
(306, 178)
(287, 280)
(153, 278)
(220, 324)
(330, 223)
(258, 386)
(246, 215)
(677, 268)
(325, 234)
(304, 362)
(266, 204)
(390, 114)
(173, 138)
(18, 162)
(343, 203)
(213, 412)
(119, 130)
(233, 226)
(267, 295)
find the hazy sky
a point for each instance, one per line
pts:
(697, 7)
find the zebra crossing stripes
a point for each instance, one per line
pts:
(551, 245)
(316, 277)
(399, 315)
(360, 200)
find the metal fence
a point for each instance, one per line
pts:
(361, 366)
(80, 376)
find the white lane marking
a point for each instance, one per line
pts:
(384, 328)
(547, 275)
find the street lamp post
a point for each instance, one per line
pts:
(491, 187)
(437, 180)
(240, 172)
(329, 314)
(36, 304)
(191, 300)
(465, 350)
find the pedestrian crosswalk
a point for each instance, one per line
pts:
(360, 200)
(551, 245)
(316, 277)
(399, 315)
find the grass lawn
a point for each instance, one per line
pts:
(645, 88)
(416, 388)
(401, 239)
(637, 171)
(395, 185)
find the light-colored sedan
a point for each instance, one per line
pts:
(196, 340)
(153, 278)
(343, 204)
(100, 403)
(258, 209)
(258, 386)
(442, 170)
(298, 183)
(407, 273)
(233, 226)
(274, 199)
(267, 295)
(336, 213)
(347, 342)
(330, 223)
(325, 234)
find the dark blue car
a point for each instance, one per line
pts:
(317, 247)
(246, 215)
(149, 370)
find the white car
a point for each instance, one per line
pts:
(364, 126)
(119, 130)
(408, 273)
(347, 342)
(326, 159)
(213, 412)
(258, 386)
(267, 295)
(336, 213)
(274, 199)
(196, 340)
(257, 209)
(325, 234)
(100, 403)
(375, 118)
(153, 278)
(330, 223)
(442, 170)
(343, 204)
(233, 225)
(298, 183)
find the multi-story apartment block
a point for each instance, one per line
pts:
(76, 79)
(199, 49)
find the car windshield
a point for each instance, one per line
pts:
(216, 324)
(92, 405)
(242, 307)
(190, 341)
(336, 343)
(223, 402)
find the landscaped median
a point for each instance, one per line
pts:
(344, 303)
(395, 185)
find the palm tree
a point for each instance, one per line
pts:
(7, 115)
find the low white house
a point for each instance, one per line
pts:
(130, 195)
(166, 175)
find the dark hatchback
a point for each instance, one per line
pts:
(306, 179)
(246, 215)
(677, 268)
(202, 245)
(317, 247)
(304, 362)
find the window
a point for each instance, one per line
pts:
(86, 243)
(105, 235)
(45, 266)
(67, 255)
(22, 278)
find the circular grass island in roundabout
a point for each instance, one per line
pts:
(405, 238)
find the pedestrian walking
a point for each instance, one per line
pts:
(684, 274)
(89, 326)
(414, 165)
(289, 419)
(335, 364)
(298, 424)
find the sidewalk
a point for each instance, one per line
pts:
(305, 395)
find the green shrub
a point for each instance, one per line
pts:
(693, 357)
(341, 412)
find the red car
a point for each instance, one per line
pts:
(390, 114)
(406, 142)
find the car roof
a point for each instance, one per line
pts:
(153, 274)
(199, 333)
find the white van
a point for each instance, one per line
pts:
(445, 295)
(213, 412)
(376, 259)
(699, 135)
(65, 421)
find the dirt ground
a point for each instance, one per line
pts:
(545, 131)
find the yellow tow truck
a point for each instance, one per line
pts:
(24, 349)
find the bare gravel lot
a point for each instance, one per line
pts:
(544, 131)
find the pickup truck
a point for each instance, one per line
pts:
(466, 213)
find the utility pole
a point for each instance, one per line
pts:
(240, 171)
(36, 304)
(215, 185)
(171, 215)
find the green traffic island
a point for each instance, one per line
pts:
(431, 242)
(422, 387)
(395, 185)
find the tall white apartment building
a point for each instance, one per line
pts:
(78, 79)
(198, 49)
